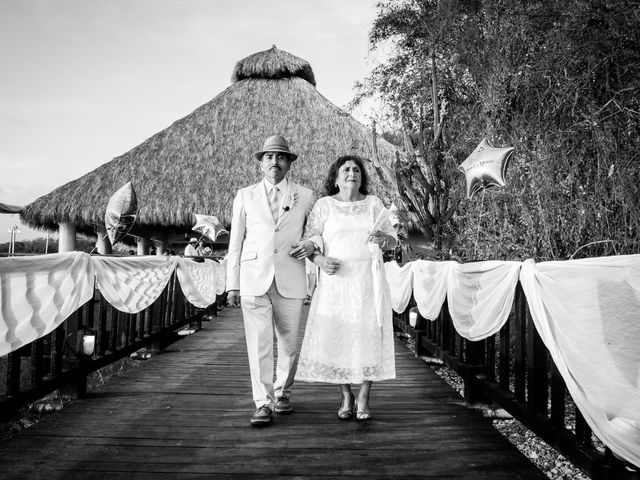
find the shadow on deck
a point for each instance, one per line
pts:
(185, 414)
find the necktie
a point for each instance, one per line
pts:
(274, 203)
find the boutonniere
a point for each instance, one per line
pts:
(293, 198)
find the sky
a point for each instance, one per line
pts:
(84, 81)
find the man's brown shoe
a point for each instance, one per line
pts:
(283, 406)
(261, 417)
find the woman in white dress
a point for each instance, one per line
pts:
(349, 333)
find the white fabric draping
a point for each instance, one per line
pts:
(480, 296)
(400, 280)
(587, 313)
(430, 286)
(198, 281)
(221, 276)
(131, 284)
(38, 293)
(379, 283)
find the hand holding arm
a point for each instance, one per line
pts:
(302, 249)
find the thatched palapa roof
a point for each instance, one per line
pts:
(197, 164)
(6, 208)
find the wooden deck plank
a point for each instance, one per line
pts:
(185, 414)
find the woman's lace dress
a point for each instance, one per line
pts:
(345, 341)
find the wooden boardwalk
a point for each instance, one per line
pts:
(185, 414)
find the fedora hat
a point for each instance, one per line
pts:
(276, 143)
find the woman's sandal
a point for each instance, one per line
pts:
(362, 415)
(346, 413)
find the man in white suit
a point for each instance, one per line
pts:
(266, 274)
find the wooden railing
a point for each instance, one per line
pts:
(513, 369)
(54, 361)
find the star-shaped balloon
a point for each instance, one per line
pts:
(209, 226)
(485, 167)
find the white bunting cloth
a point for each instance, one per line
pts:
(38, 293)
(480, 296)
(587, 313)
(430, 286)
(198, 281)
(400, 280)
(131, 284)
(221, 276)
(380, 289)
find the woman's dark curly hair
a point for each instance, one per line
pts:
(330, 186)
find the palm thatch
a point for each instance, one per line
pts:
(275, 64)
(6, 208)
(197, 164)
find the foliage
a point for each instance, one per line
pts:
(557, 80)
(38, 245)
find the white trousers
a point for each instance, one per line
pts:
(262, 316)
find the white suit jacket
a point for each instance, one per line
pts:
(259, 248)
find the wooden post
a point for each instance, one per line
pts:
(583, 432)
(77, 385)
(14, 360)
(140, 323)
(537, 370)
(148, 318)
(174, 307)
(453, 335)
(103, 243)
(419, 332)
(58, 346)
(557, 397)
(490, 344)
(520, 356)
(114, 331)
(102, 340)
(66, 237)
(127, 338)
(474, 358)
(132, 321)
(447, 330)
(37, 369)
(504, 356)
(159, 321)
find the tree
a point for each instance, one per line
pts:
(556, 80)
(409, 83)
